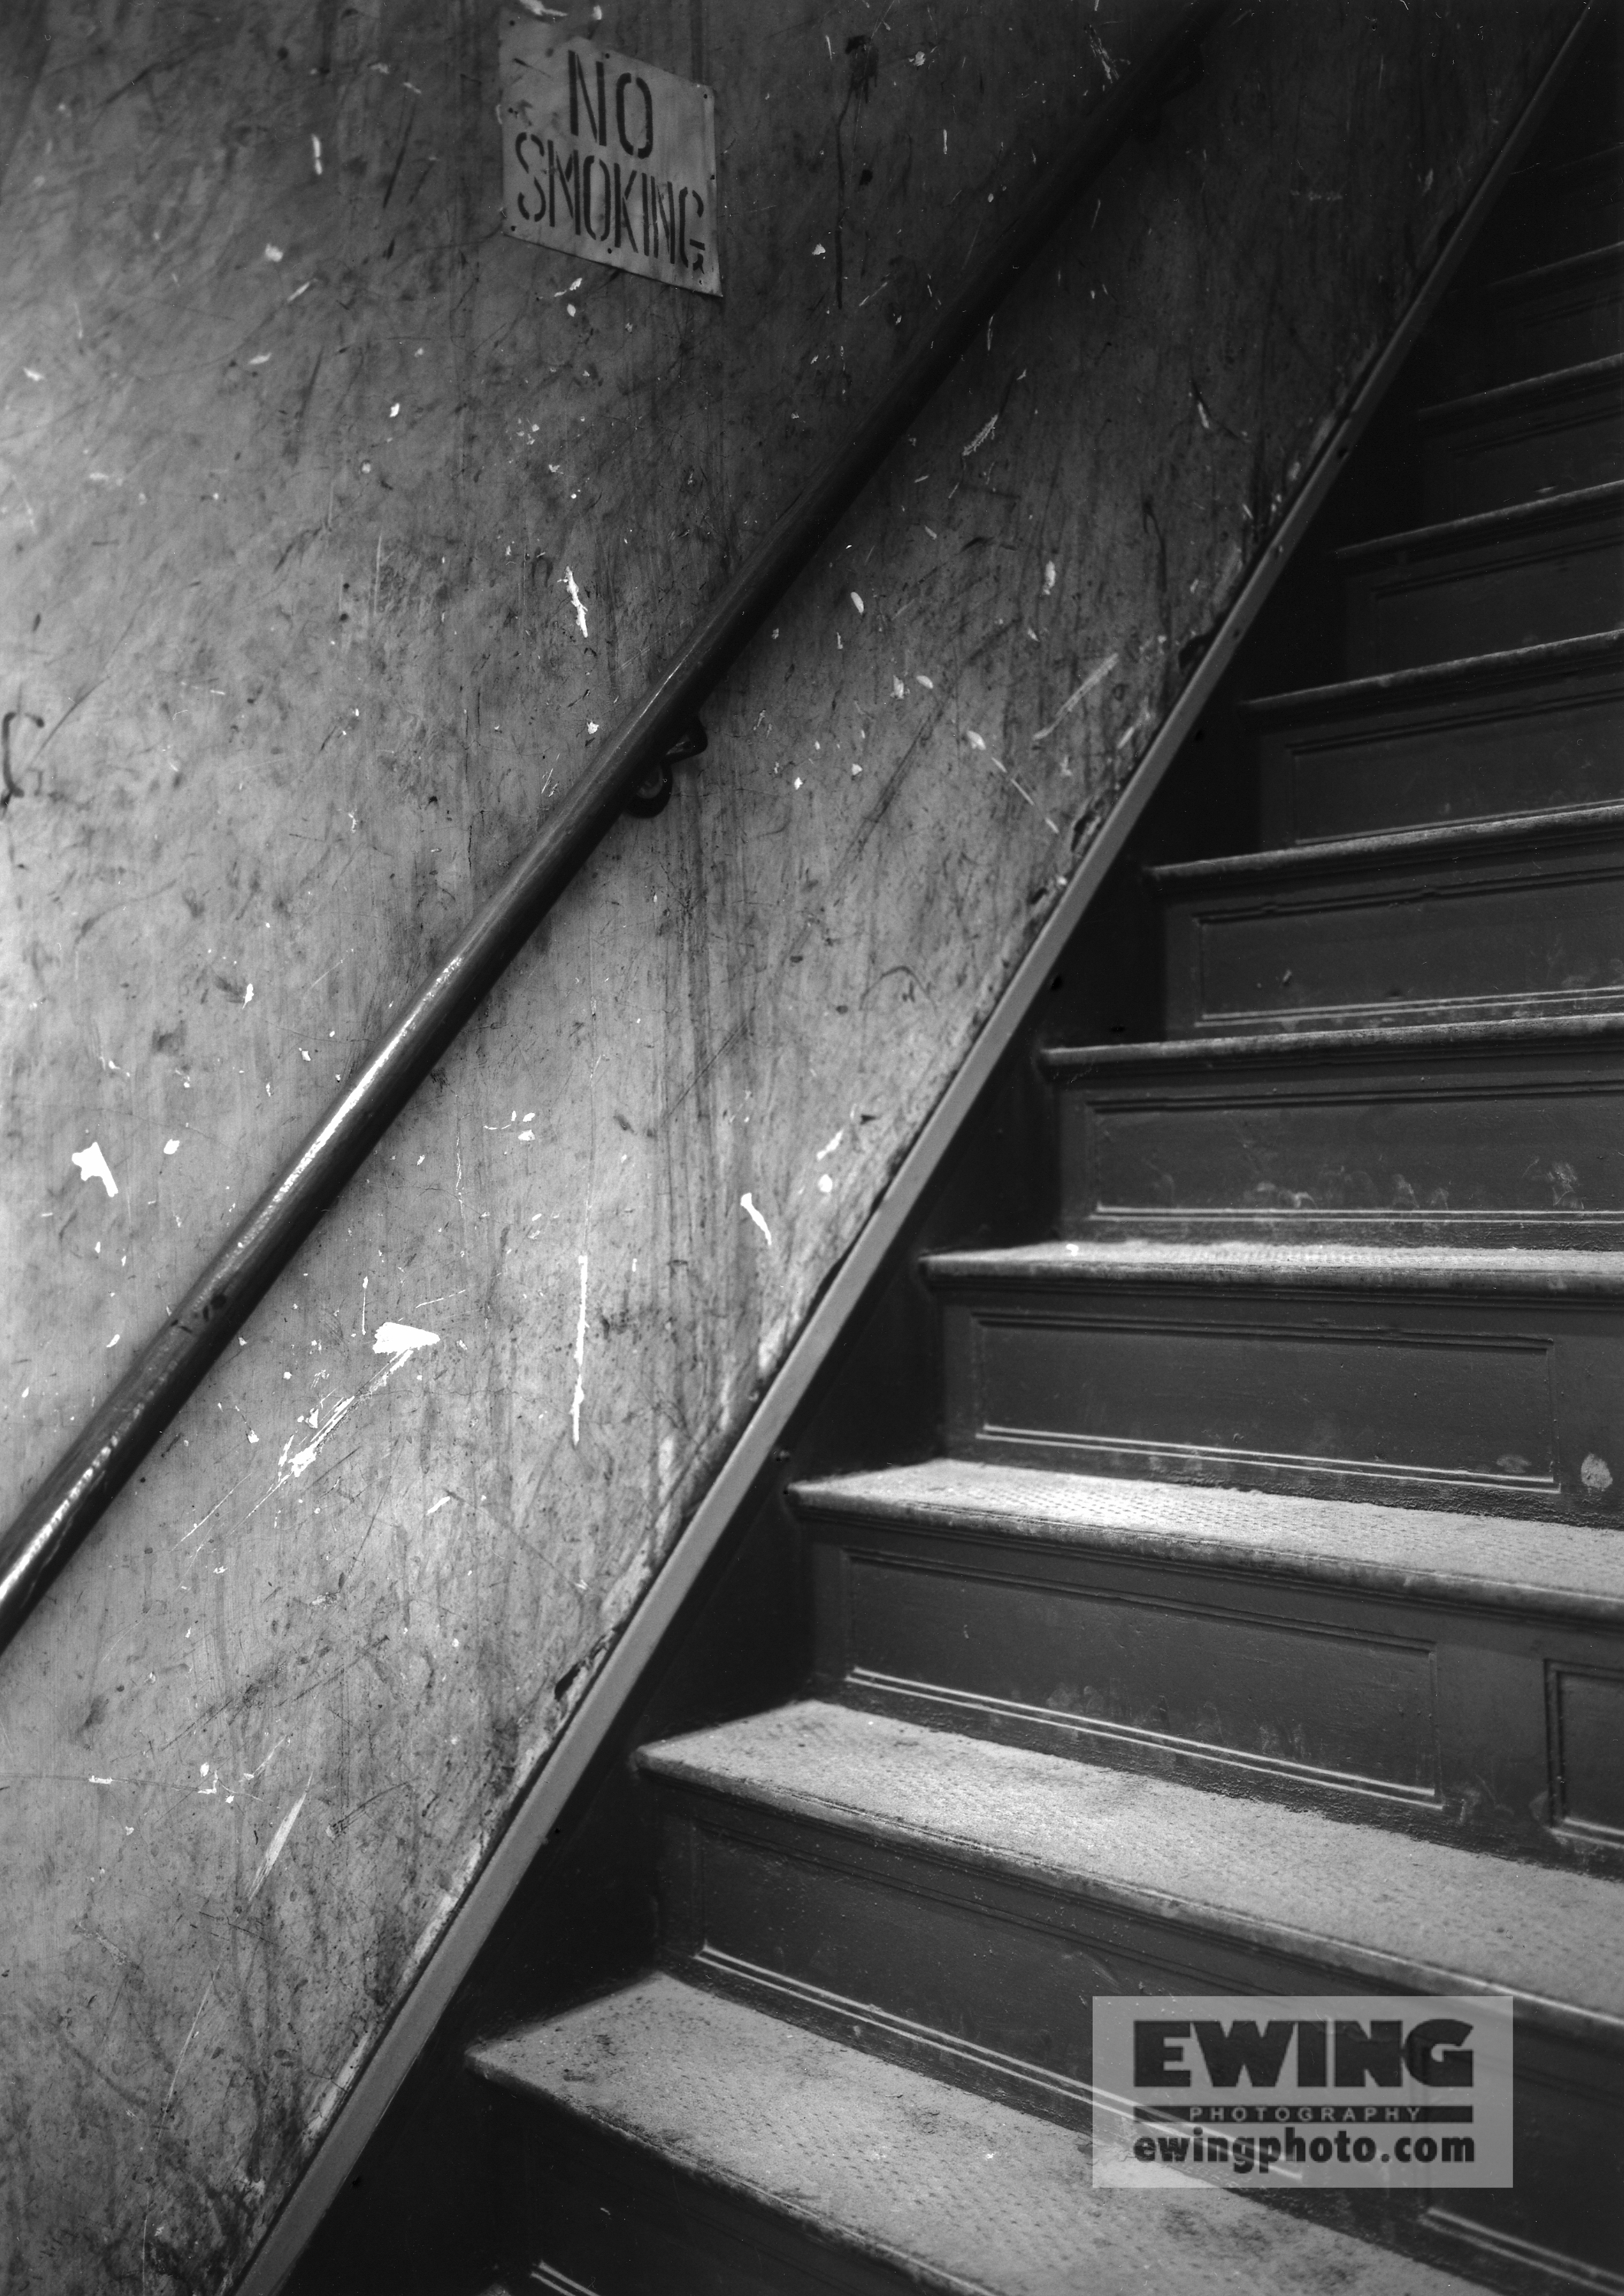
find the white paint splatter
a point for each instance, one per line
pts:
(444, 1500)
(401, 1339)
(1050, 578)
(825, 1184)
(273, 254)
(975, 740)
(830, 1146)
(1595, 1474)
(1101, 670)
(316, 152)
(278, 1843)
(100, 1782)
(92, 1165)
(820, 249)
(747, 1203)
(171, 1147)
(858, 603)
(260, 358)
(929, 684)
(981, 437)
(579, 1397)
(575, 600)
(898, 688)
(248, 994)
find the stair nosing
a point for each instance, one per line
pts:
(678, 1768)
(1510, 664)
(1572, 507)
(1567, 825)
(1577, 1272)
(995, 1500)
(1350, 1045)
(1555, 381)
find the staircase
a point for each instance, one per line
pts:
(1260, 1627)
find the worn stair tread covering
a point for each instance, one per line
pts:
(1566, 1568)
(964, 2193)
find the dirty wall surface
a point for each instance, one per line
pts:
(335, 524)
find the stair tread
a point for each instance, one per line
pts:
(1518, 1034)
(1574, 505)
(961, 2192)
(1554, 382)
(1420, 1913)
(1421, 844)
(1567, 1568)
(1552, 657)
(1499, 1268)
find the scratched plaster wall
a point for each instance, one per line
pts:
(300, 455)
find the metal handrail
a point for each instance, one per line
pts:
(121, 1432)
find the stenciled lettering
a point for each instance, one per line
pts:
(580, 98)
(634, 80)
(566, 173)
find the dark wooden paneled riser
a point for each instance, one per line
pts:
(1527, 921)
(1437, 1715)
(985, 1977)
(1536, 732)
(1549, 436)
(1504, 1403)
(1515, 579)
(1478, 1140)
(1569, 203)
(1526, 322)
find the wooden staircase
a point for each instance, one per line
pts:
(1260, 1627)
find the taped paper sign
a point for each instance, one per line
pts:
(608, 158)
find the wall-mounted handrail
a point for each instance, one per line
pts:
(98, 1464)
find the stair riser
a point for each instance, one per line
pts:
(1531, 929)
(1505, 750)
(1488, 460)
(1580, 208)
(1496, 1403)
(1455, 1145)
(987, 1980)
(1507, 335)
(1520, 588)
(1433, 1717)
(591, 2215)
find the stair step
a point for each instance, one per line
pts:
(1545, 314)
(1446, 1671)
(786, 2160)
(1480, 919)
(1549, 434)
(1419, 1916)
(1537, 728)
(1506, 1132)
(1527, 576)
(1573, 204)
(1452, 1375)
(957, 1904)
